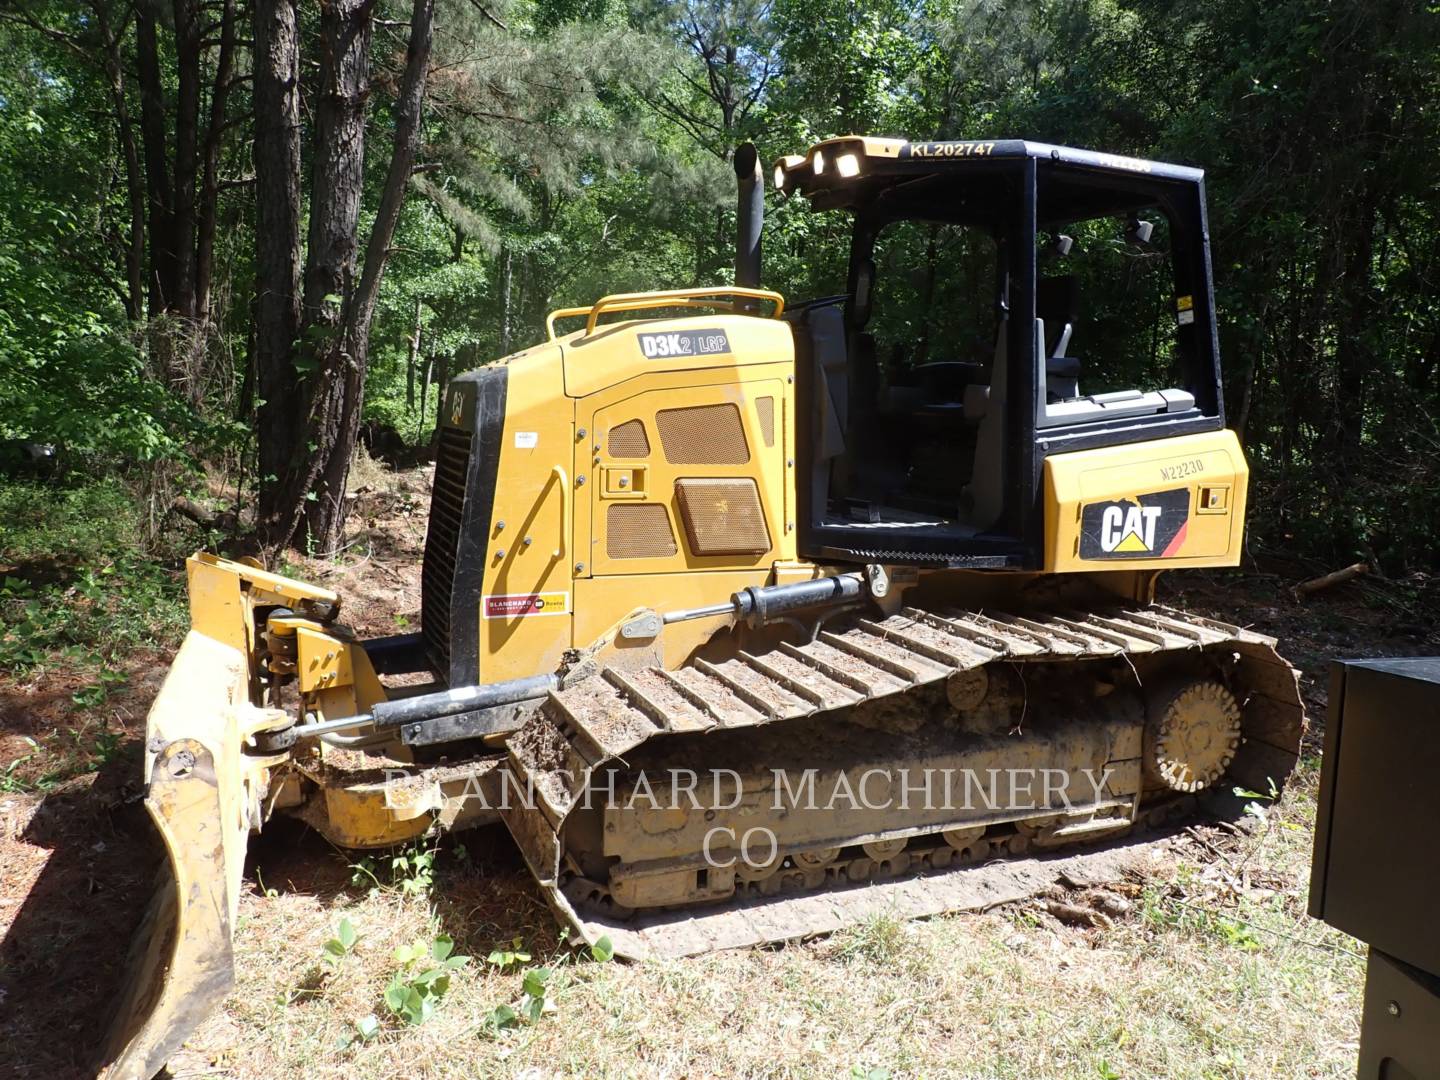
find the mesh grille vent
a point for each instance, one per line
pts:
(638, 531)
(722, 516)
(628, 440)
(765, 406)
(437, 578)
(703, 435)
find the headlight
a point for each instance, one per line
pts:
(847, 165)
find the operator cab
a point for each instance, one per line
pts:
(1004, 301)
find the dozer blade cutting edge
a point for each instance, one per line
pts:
(205, 786)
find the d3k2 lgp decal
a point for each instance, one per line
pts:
(1145, 527)
(684, 343)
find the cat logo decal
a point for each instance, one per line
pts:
(1149, 526)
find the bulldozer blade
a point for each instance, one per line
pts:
(205, 795)
(182, 964)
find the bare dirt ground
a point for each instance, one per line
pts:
(1207, 967)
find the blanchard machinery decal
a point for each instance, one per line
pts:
(1145, 527)
(523, 605)
(684, 343)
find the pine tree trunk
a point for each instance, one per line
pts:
(414, 356)
(161, 278)
(188, 48)
(205, 212)
(277, 254)
(304, 505)
(134, 180)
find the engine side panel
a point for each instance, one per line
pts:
(1147, 506)
(524, 549)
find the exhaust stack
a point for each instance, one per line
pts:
(750, 216)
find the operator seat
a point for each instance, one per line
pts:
(986, 490)
(825, 332)
(1057, 304)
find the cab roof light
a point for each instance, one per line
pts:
(784, 167)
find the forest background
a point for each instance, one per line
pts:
(233, 233)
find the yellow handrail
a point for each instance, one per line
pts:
(563, 313)
(706, 298)
(558, 472)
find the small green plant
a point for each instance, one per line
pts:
(504, 959)
(1254, 809)
(265, 890)
(362, 874)
(1105, 1071)
(341, 945)
(860, 1072)
(1235, 933)
(418, 987)
(602, 952)
(367, 1027)
(499, 1019)
(537, 980)
(413, 869)
(1165, 912)
(97, 693)
(12, 784)
(107, 745)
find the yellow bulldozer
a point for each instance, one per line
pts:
(749, 619)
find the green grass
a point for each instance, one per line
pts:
(80, 523)
(76, 586)
(82, 604)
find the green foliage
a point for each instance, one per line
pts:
(423, 977)
(413, 869)
(537, 984)
(409, 868)
(10, 782)
(534, 987)
(531, 1006)
(1163, 911)
(75, 586)
(341, 945)
(72, 371)
(505, 959)
(582, 149)
(1254, 808)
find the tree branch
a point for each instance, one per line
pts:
(488, 14)
(408, 105)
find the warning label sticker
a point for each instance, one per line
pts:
(521, 605)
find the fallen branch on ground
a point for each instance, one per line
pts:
(226, 521)
(1326, 581)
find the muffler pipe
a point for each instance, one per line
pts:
(750, 216)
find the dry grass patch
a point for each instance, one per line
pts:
(1215, 971)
